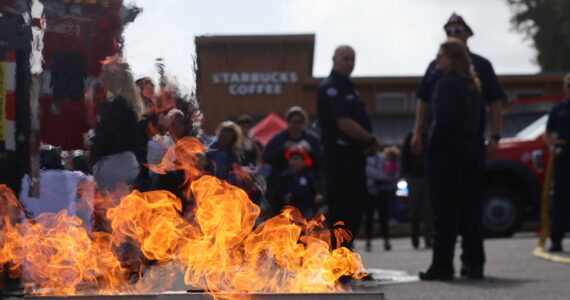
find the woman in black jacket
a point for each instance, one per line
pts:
(454, 163)
(295, 135)
(115, 141)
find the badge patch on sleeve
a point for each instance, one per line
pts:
(332, 92)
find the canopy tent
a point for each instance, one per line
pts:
(267, 128)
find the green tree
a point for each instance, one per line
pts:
(547, 23)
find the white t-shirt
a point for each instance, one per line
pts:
(157, 148)
(58, 190)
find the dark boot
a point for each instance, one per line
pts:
(464, 271)
(472, 272)
(387, 245)
(476, 272)
(415, 242)
(434, 273)
(428, 242)
(556, 247)
(555, 243)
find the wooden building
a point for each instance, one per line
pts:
(258, 74)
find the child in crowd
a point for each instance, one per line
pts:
(252, 149)
(158, 146)
(297, 186)
(200, 161)
(382, 171)
(390, 166)
(224, 154)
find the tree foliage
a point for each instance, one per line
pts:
(547, 23)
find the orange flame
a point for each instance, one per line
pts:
(218, 248)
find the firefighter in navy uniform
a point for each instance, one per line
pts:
(347, 138)
(455, 156)
(492, 94)
(557, 136)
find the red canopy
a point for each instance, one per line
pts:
(267, 128)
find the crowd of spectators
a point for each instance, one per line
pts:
(136, 124)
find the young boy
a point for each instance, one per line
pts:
(297, 186)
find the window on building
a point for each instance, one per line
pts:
(391, 102)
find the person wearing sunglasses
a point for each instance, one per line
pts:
(492, 93)
(557, 137)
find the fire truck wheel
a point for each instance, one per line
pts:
(502, 212)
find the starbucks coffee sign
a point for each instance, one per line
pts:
(254, 83)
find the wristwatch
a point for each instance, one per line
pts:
(496, 137)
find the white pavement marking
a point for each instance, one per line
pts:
(383, 277)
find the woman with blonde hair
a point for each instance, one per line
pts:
(117, 79)
(225, 154)
(115, 140)
(455, 156)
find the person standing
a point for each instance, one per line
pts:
(455, 156)
(115, 142)
(295, 135)
(252, 149)
(381, 176)
(346, 138)
(413, 171)
(114, 146)
(557, 137)
(147, 129)
(146, 88)
(491, 91)
(225, 154)
(298, 186)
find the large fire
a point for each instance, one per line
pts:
(216, 246)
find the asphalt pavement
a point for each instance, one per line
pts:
(512, 272)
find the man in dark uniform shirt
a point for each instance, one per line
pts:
(557, 136)
(491, 89)
(492, 94)
(347, 138)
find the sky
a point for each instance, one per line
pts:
(391, 38)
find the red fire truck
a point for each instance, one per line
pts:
(515, 175)
(50, 54)
(78, 36)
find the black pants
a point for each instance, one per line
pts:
(454, 178)
(345, 186)
(381, 204)
(420, 209)
(560, 206)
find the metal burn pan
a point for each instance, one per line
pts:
(209, 296)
